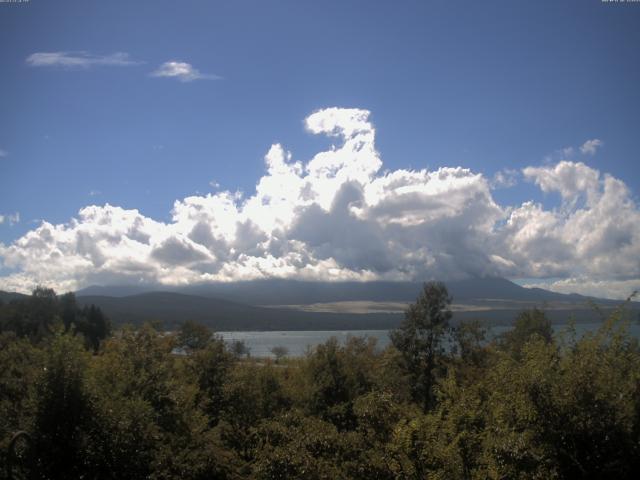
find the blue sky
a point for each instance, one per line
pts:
(482, 85)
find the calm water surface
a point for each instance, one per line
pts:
(297, 342)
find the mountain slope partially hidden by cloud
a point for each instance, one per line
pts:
(339, 216)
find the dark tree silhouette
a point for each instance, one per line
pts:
(93, 324)
(529, 324)
(419, 339)
(194, 335)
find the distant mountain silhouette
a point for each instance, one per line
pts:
(6, 297)
(171, 309)
(294, 292)
(241, 305)
(259, 305)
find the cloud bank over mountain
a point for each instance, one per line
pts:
(340, 216)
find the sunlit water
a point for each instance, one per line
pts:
(298, 342)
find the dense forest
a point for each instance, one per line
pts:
(80, 399)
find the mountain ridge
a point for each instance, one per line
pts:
(279, 304)
(283, 292)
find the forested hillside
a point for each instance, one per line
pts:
(299, 305)
(99, 404)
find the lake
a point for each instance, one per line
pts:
(297, 342)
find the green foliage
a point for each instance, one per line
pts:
(419, 339)
(93, 325)
(211, 367)
(336, 376)
(527, 405)
(68, 309)
(62, 410)
(194, 335)
(33, 317)
(251, 395)
(148, 423)
(470, 340)
(279, 352)
(240, 349)
(36, 317)
(21, 364)
(529, 324)
(299, 447)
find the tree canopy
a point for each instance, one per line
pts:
(442, 401)
(420, 339)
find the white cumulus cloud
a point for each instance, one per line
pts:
(340, 216)
(182, 71)
(590, 146)
(598, 238)
(570, 179)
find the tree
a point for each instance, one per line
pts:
(470, 348)
(337, 375)
(21, 364)
(279, 352)
(68, 309)
(420, 338)
(62, 409)
(298, 446)
(35, 316)
(93, 324)
(194, 335)
(239, 348)
(252, 394)
(529, 324)
(211, 366)
(147, 422)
